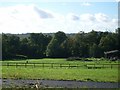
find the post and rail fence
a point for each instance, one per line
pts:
(60, 65)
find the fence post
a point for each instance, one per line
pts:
(25, 65)
(16, 65)
(7, 65)
(34, 65)
(69, 65)
(60, 65)
(77, 65)
(94, 66)
(111, 66)
(43, 65)
(52, 65)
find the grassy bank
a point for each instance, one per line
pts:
(83, 74)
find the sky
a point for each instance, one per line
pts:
(49, 17)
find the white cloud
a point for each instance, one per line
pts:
(87, 17)
(100, 17)
(98, 21)
(72, 16)
(115, 21)
(31, 18)
(86, 4)
(23, 18)
(42, 13)
(117, 0)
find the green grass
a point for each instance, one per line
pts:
(49, 60)
(82, 74)
(45, 60)
(105, 75)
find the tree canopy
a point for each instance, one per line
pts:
(39, 45)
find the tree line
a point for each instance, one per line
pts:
(60, 45)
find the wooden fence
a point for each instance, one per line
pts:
(61, 65)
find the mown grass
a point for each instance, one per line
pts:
(82, 74)
(104, 75)
(59, 60)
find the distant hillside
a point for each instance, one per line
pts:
(26, 35)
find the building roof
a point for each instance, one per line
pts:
(113, 51)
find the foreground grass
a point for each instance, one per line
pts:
(82, 74)
(100, 75)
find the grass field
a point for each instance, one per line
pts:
(81, 73)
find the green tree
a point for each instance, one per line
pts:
(24, 47)
(0, 46)
(93, 37)
(118, 38)
(38, 44)
(95, 51)
(108, 42)
(54, 47)
(10, 46)
(67, 47)
(80, 45)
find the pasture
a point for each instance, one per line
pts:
(60, 69)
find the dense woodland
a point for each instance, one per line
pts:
(59, 44)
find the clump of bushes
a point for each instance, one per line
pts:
(78, 59)
(86, 59)
(73, 58)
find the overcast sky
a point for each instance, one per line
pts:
(46, 17)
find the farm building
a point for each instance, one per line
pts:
(114, 54)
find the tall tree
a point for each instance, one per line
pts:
(80, 47)
(24, 47)
(10, 46)
(38, 44)
(108, 42)
(95, 51)
(118, 37)
(54, 47)
(67, 47)
(0, 46)
(93, 37)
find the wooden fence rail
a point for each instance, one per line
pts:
(61, 65)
